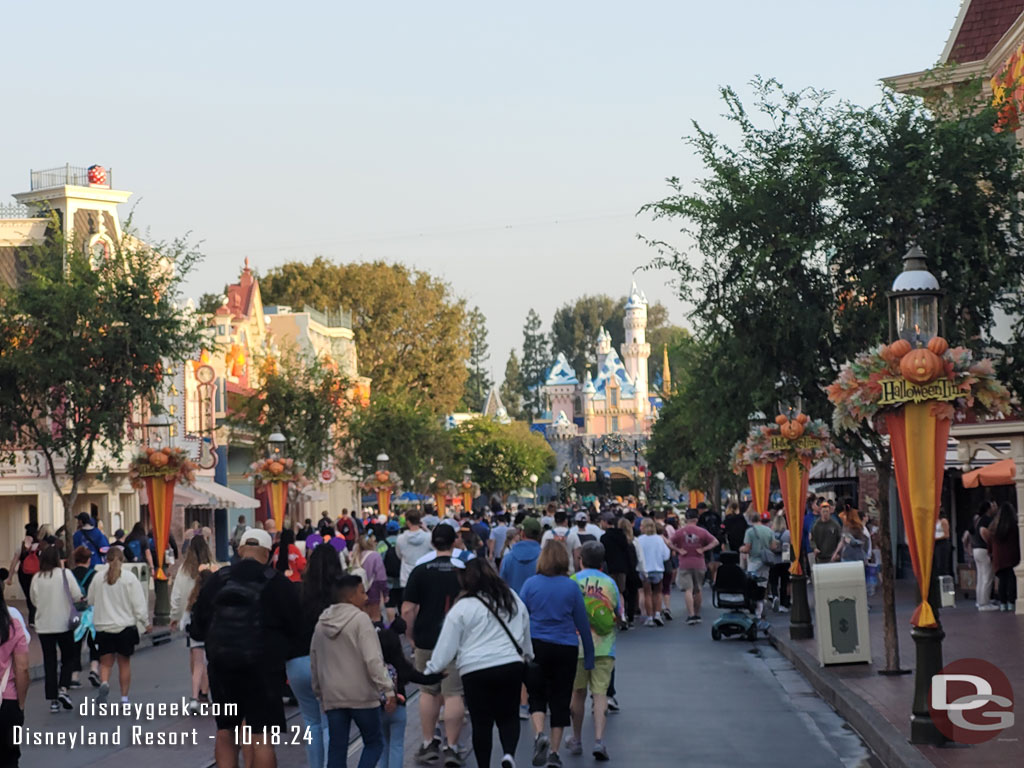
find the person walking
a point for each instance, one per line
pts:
(198, 559)
(348, 674)
(366, 557)
(980, 537)
(411, 544)
(1006, 555)
(520, 563)
(247, 615)
(487, 635)
(711, 521)
(558, 622)
(121, 616)
(136, 546)
(734, 527)
(943, 553)
(604, 610)
(778, 571)
(758, 544)
(287, 558)
(826, 535)
(14, 682)
(88, 535)
(84, 573)
(55, 592)
(620, 557)
(26, 565)
(634, 580)
(692, 542)
(654, 555)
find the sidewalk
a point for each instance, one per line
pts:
(878, 706)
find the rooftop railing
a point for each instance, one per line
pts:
(67, 175)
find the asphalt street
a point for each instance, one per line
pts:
(686, 700)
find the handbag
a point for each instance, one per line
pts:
(494, 613)
(74, 617)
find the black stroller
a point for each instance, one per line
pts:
(737, 593)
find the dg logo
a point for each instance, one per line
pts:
(971, 701)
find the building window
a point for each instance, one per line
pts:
(615, 398)
(615, 423)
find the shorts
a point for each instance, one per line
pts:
(713, 556)
(690, 579)
(257, 693)
(450, 686)
(122, 643)
(666, 582)
(758, 569)
(597, 679)
(395, 598)
(654, 577)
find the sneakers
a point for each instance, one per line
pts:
(667, 614)
(54, 707)
(94, 678)
(698, 619)
(65, 699)
(691, 620)
(658, 620)
(524, 712)
(783, 609)
(988, 607)
(75, 684)
(452, 758)
(192, 708)
(427, 754)
(103, 692)
(600, 752)
(648, 622)
(507, 761)
(540, 750)
(575, 747)
(613, 706)
(554, 761)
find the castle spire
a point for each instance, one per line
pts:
(666, 373)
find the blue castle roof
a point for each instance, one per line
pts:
(561, 373)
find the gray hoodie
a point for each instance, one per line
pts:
(411, 546)
(346, 663)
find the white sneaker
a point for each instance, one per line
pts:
(507, 761)
(658, 620)
(988, 607)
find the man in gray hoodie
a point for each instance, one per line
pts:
(348, 673)
(411, 546)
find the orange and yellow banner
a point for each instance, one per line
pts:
(793, 479)
(384, 502)
(161, 503)
(696, 497)
(759, 476)
(277, 498)
(441, 501)
(918, 438)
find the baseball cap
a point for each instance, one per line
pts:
(530, 525)
(581, 517)
(607, 517)
(256, 537)
(393, 526)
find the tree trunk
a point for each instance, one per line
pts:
(891, 638)
(716, 491)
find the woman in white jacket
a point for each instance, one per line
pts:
(487, 633)
(53, 591)
(197, 557)
(120, 614)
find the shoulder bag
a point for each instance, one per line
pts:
(74, 617)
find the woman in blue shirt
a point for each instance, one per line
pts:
(558, 622)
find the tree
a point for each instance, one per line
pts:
(478, 379)
(502, 456)
(408, 432)
(512, 387)
(210, 302)
(411, 333)
(84, 342)
(535, 364)
(308, 400)
(800, 225)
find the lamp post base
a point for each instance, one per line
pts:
(800, 626)
(928, 645)
(162, 603)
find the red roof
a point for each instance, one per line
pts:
(240, 295)
(985, 22)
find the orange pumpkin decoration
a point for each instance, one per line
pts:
(899, 348)
(275, 468)
(158, 459)
(921, 366)
(802, 418)
(938, 345)
(792, 430)
(166, 450)
(780, 419)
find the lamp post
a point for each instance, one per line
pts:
(558, 486)
(467, 490)
(159, 434)
(913, 306)
(534, 479)
(275, 444)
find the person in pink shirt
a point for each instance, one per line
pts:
(14, 680)
(691, 542)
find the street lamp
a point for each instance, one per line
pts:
(382, 462)
(660, 477)
(533, 479)
(558, 486)
(914, 317)
(159, 434)
(159, 431)
(467, 490)
(275, 444)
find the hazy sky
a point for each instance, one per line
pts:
(505, 147)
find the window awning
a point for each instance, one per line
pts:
(999, 473)
(223, 497)
(184, 496)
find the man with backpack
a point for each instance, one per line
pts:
(560, 532)
(248, 616)
(90, 537)
(579, 536)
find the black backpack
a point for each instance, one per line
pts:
(235, 639)
(392, 562)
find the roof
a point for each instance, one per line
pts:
(613, 366)
(637, 298)
(980, 25)
(240, 295)
(561, 373)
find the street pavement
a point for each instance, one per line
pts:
(686, 700)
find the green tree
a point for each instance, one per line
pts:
(478, 379)
(799, 227)
(411, 332)
(210, 302)
(307, 400)
(502, 456)
(535, 363)
(83, 342)
(512, 387)
(409, 433)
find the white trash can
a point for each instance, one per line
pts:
(841, 613)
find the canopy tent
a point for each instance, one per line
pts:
(414, 497)
(999, 473)
(223, 497)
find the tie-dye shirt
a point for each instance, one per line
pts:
(604, 607)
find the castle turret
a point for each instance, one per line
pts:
(636, 350)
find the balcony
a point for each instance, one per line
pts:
(67, 175)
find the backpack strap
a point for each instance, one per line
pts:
(504, 626)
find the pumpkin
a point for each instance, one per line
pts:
(275, 468)
(780, 419)
(938, 345)
(166, 450)
(158, 459)
(802, 418)
(899, 348)
(921, 366)
(792, 430)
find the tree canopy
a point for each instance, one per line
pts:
(502, 456)
(478, 376)
(411, 332)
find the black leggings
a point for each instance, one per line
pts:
(1007, 585)
(26, 586)
(778, 582)
(51, 642)
(549, 679)
(492, 696)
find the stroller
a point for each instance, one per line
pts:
(737, 593)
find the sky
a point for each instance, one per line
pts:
(506, 148)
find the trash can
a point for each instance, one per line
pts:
(141, 570)
(948, 591)
(841, 613)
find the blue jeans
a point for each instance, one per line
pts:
(309, 706)
(394, 739)
(370, 726)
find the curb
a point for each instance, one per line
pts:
(888, 744)
(159, 636)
